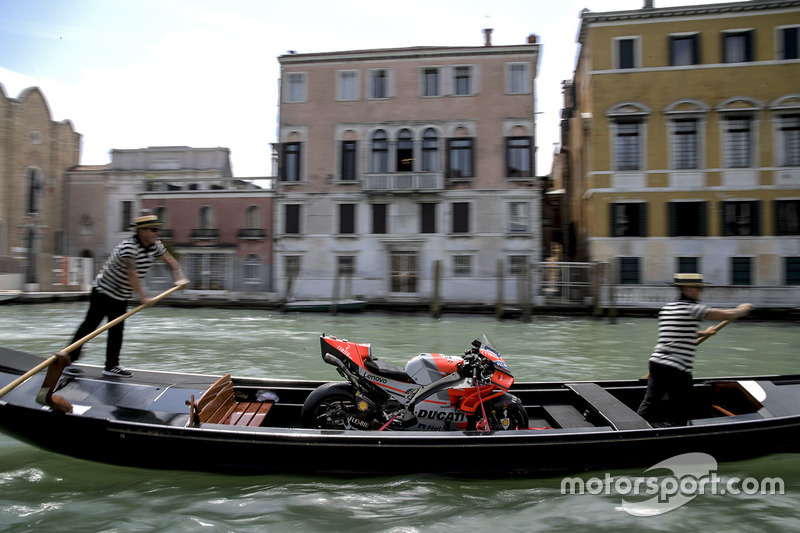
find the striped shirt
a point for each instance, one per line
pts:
(678, 325)
(113, 279)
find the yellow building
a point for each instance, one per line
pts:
(681, 143)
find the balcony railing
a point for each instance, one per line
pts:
(255, 234)
(404, 182)
(201, 234)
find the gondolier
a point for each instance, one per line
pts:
(669, 385)
(119, 279)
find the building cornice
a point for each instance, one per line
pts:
(646, 14)
(403, 54)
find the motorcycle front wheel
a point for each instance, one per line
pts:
(501, 416)
(328, 407)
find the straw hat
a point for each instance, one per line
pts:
(688, 280)
(147, 221)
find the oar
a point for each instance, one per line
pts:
(702, 339)
(715, 329)
(52, 359)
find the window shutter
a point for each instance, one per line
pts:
(672, 219)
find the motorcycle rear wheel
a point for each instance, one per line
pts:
(328, 407)
(514, 413)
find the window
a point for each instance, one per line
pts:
(517, 265)
(687, 219)
(291, 162)
(348, 85)
(380, 152)
(206, 219)
(626, 52)
(430, 82)
(627, 149)
(629, 271)
(737, 46)
(405, 152)
(379, 79)
(460, 217)
(792, 266)
(297, 87)
(684, 50)
(462, 81)
(688, 265)
(291, 266)
(379, 219)
(405, 271)
(347, 219)
(685, 144)
(629, 219)
(207, 271)
(430, 151)
(462, 266)
(517, 78)
(252, 217)
(740, 219)
(427, 217)
(518, 217)
(789, 43)
(738, 141)
(460, 158)
(251, 269)
(346, 266)
(787, 217)
(125, 214)
(789, 140)
(741, 271)
(291, 218)
(163, 216)
(36, 187)
(519, 157)
(348, 163)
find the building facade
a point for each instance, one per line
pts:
(218, 227)
(405, 173)
(681, 143)
(35, 153)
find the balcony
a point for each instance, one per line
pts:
(202, 234)
(252, 234)
(404, 182)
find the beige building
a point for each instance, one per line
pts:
(396, 161)
(681, 145)
(35, 153)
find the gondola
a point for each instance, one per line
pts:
(152, 420)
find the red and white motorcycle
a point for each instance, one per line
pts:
(434, 392)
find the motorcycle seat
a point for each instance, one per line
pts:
(386, 370)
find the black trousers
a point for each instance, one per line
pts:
(669, 395)
(103, 306)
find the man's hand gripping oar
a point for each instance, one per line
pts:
(57, 362)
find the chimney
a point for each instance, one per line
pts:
(648, 4)
(533, 38)
(487, 36)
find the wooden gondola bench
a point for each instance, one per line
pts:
(218, 405)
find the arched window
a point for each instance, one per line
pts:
(380, 152)
(206, 218)
(430, 151)
(405, 152)
(253, 217)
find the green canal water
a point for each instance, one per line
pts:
(42, 491)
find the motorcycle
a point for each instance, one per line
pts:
(434, 392)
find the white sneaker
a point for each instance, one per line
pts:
(118, 371)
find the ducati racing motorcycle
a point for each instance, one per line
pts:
(434, 392)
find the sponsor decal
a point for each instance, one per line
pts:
(447, 416)
(376, 379)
